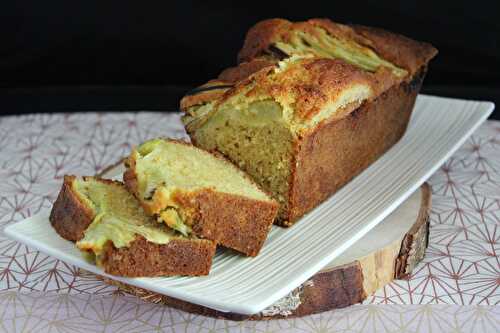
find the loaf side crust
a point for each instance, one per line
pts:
(69, 216)
(144, 258)
(230, 220)
(347, 146)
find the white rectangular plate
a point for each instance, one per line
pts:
(290, 256)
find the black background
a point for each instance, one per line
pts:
(58, 56)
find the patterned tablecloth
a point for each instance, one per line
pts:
(454, 289)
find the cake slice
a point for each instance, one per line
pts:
(198, 193)
(310, 106)
(110, 225)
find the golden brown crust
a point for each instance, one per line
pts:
(235, 74)
(347, 146)
(323, 78)
(400, 50)
(210, 91)
(318, 81)
(309, 84)
(259, 37)
(69, 216)
(232, 221)
(143, 258)
(397, 49)
(215, 89)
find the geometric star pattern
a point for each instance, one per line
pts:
(454, 289)
(462, 263)
(85, 313)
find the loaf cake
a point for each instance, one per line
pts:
(198, 193)
(310, 105)
(110, 225)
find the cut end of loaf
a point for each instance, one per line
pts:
(257, 139)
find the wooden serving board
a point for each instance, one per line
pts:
(390, 251)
